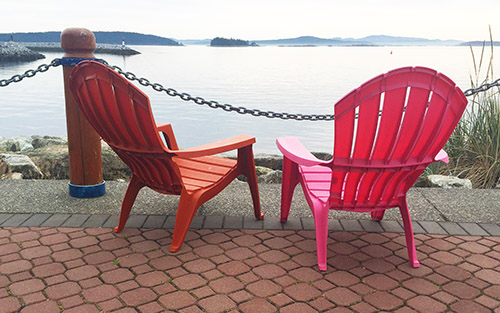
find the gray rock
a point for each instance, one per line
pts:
(112, 166)
(323, 155)
(40, 142)
(261, 170)
(14, 176)
(273, 177)
(270, 161)
(18, 163)
(24, 143)
(10, 145)
(448, 182)
(52, 160)
(16, 144)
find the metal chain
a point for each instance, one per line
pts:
(482, 88)
(30, 73)
(216, 105)
(201, 101)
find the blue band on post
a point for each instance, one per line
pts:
(92, 191)
(75, 61)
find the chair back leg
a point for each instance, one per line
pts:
(128, 201)
(246, 163)
(410, 240)
(188, 205)
(377, 215)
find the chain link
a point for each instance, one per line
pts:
(482, 88)
(30, 73)
(212, 104)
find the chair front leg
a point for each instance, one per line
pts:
(321, 224)
(246, 165)
(289, 180)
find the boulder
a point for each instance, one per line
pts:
(112, 166)
(16, 144)
(270, 161)
(18, 163)
(53, 161)
(273, 177)
(323, 155)
(261, 170)
(448, 182)
(42, 141)
(23, 142)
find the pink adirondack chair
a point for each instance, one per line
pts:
(378, 156)
(122, 116)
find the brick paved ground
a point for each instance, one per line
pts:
(47, 269)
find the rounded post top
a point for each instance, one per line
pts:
(78, 42)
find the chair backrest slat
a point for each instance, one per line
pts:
(122, 116)
(378, 157)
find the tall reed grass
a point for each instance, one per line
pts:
(474, 147)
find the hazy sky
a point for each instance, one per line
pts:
(260, 19)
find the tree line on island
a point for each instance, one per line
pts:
(225, 42)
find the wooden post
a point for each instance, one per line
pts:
(84, 144)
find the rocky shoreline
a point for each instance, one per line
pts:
(46, 157)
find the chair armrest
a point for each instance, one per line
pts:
(293, 149)
(442, 156)
(220, 146)
(168, 134)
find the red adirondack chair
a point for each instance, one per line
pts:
(378, 156)
(122, 116)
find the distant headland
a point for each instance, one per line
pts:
(115, 38)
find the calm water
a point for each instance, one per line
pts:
(306, 80)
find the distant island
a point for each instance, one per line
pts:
(380, 40)
(224, 42)
(480, 43)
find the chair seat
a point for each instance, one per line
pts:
(202, 172)
(318, 180)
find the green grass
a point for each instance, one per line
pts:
(474, 147)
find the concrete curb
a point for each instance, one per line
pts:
(240, 222)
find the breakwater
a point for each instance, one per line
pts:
(100, 48)
(29, 51)
(16, 52)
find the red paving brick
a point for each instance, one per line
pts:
(93, 270)
(35, 252)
